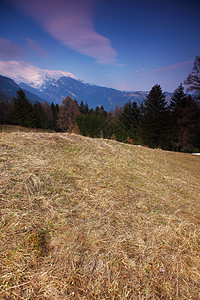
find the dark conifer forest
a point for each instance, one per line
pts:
(156, 123)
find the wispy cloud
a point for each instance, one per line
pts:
(21, 71)
(71, 22)
(35, 47)
(171, 67)
(138, 71)
(121, 65)
(9, 49)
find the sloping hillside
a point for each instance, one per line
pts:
(89, 218)
(9, 89)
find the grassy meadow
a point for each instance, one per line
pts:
(86, 218)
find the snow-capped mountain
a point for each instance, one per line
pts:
(9, 88)
(55, 90)
(42, 79)
(55, 85)
(33, 76)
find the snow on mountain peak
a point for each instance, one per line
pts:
(20, 71)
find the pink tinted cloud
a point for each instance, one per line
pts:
(9, 49)
(35, 47)
(171, 67)
(71, 22)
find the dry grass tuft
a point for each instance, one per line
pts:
(89, 218)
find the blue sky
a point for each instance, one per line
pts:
(128, 45)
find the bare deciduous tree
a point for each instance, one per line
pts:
(67, 114)
(192, 82)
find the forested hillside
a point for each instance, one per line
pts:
(156, 123)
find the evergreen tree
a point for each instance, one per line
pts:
(127, 116)
(102, 111)
(86, 109)
(41, 117)
(196, 139)
(47, 109)
(178, 98)
(90, 111)
(188, 124)
(97, 110)
(118, 131)
(154, 123)
(5, 111)
(5, 108)
(130, 118)
(23, 112)
(94, 125)
(55, 110)
(81, 107)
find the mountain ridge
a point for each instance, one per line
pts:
(56, 89)
(9, 88)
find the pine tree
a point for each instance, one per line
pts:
(102, 111)
(5, 111)
(97, 110)
(86, 109)
(23, 112)
(130, 116)
(154, 120)
(178, 98)
(81, 107)
(127, 116)
(188, 123)
(41, 117)
(118, 131)
(55, 110)
(94, 125)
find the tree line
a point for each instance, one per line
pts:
(156, 123)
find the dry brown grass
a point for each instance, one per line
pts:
(89, 218)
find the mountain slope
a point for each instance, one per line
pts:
(57, 89)
(53, 89)
(9, 88)
(96, 219)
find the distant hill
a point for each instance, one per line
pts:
(9, 88)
